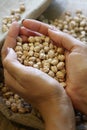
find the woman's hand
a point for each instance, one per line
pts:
(36, 87)
(76, 61)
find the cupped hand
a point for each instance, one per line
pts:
(76, 61)
(32, 84)
(36, 87)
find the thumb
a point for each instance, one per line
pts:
(11, 64)
(63, 39)
(11, 55)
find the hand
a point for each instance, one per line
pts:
(36, 87)
(76, 61)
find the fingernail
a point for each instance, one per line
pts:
(23, 20)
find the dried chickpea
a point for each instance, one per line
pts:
(51, 53)
(60, 50)
(18, 48)
(61, 57)
(51, 73)
(54, 69)
(42, 56)
(54, 62)
(37, 48)
(63, 84)
(60, 75)
(31, 39)
(19, 53)
(60, 65)
(36, 66)
(14, 107)
(30, 63)
(45, 69)
(46, 48)
(22, 8)
(25, 47)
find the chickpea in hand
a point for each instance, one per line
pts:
(76, 61)
(36, 87)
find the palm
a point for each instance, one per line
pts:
(76, 74)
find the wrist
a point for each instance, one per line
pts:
(78, 98)
(57, 115)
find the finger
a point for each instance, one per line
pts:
(27, 32)
(13, 84)
(64, 40)
(11, 38)
(37, 26)
(24, 38)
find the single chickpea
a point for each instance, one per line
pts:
(49, 60)
(60, 75)
(16, 96)
(39, 64)
(38, 60)
(47, 39)
(18, 48)
(25, 47)
(23, 57)
(30, 53)
(61, 57)
(51, 53)
(60, 50)
(36, 44)
(19, 44)
(32, 59)
(63, 84)
(30, 63)
(22, 8)
(38, 39)
(45, 44)
(31, 39)
(19, 54)
(54, 62)
(42, 56)
(54, 69)
(14, 107)
(36, 66)
(60, 65)
(37, 48)
(51, 73)
(46, 49)
(45, 69)
(26, 62)
(45, 64)
(31, 48)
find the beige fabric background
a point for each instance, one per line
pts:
(33, 9)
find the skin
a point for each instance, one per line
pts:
(42, 91)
